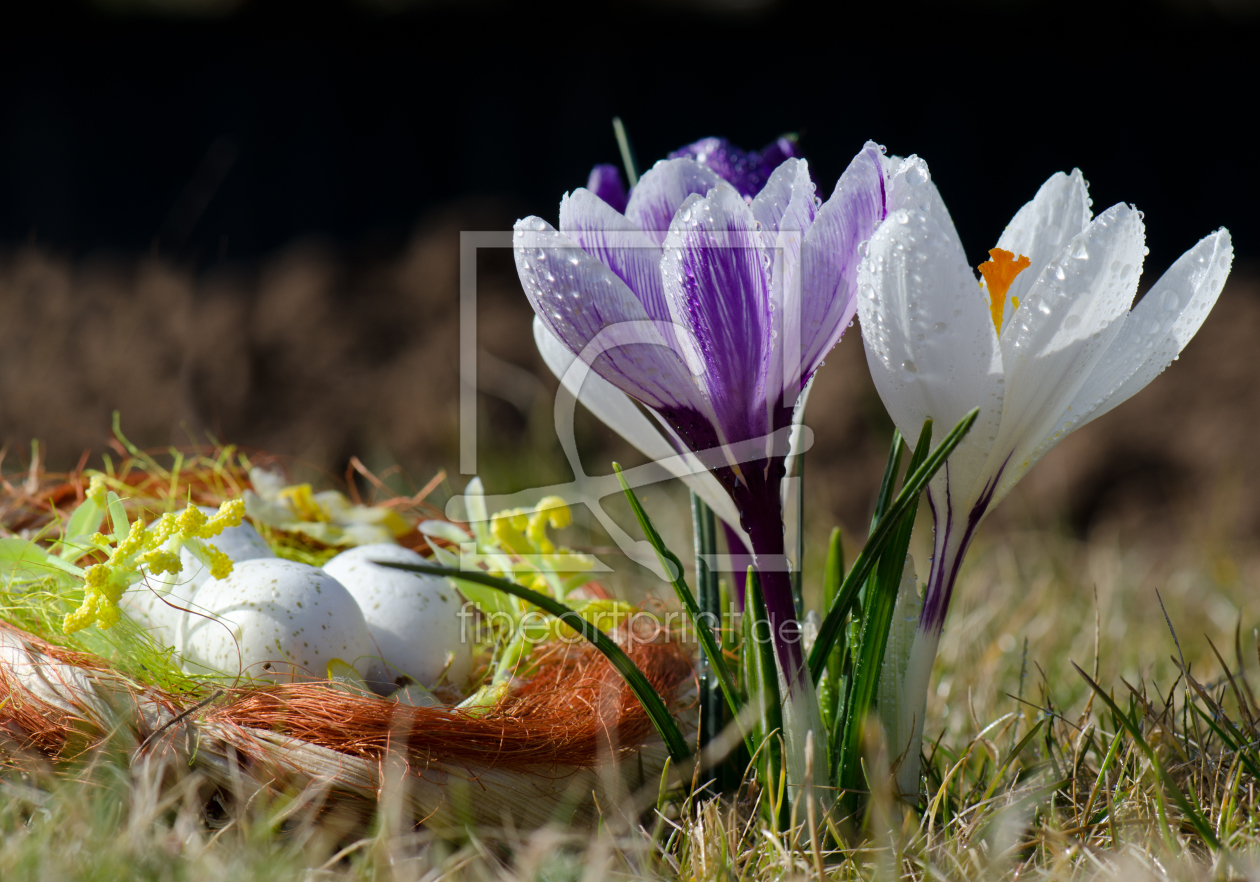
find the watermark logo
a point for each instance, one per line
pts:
(478, 626)
(669, 458)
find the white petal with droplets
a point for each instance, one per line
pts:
(1044, 227)
(784, 371)
(1072, 312)
(930, 342)
(1158, 328)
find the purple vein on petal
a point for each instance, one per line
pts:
(661, 192)
(717, 289)
(582, 301)
(830, 255)
(618, 244)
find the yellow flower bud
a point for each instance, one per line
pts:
(97, 491)
(162, 561)
(190, 522)
(231, 513)
(220, 563)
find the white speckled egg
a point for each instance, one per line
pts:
(155, 602)
(413, 618)
(276, 619)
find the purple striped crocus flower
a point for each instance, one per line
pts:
(711, 300)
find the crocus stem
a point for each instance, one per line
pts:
(776, 586)
(764, 522)
(906, 744)
(734, 546)
(953, 534)
(953, 537)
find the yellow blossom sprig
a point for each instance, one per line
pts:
(516, 544)
(155, 547)
(328, 516)
(522, 534)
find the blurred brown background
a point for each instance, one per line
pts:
(314, 357)
(241, 219)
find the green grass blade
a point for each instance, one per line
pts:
(627, 153)
(1006, 763)
(1192, 813)
(671, 564)
(881, 598)
(635, 679)
(866, 560)
(1231, 737)
(889, 482)
(748, 675)
(798, 571)
(136, 451)
(710, 689)
(84, 521)
(829, 688)
(117, 517)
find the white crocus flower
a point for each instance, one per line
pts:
(1044, 342)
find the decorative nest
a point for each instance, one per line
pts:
(571, 737)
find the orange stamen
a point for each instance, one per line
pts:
(999, 272)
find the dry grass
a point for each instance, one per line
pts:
(1079, 799)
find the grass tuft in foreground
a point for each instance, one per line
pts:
(1031, 772)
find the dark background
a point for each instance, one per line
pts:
(284, 119)
(242, 217)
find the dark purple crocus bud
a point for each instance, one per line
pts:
(605, 182)
(745, 170)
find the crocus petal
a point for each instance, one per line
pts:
(1157, 329)
(605, 182)
(908, 184)
(930, 343)
(1045, 226)
(830, 255)
(619, 245)
(792, 210)
(717, 290)
(618, 411)
(1071, 314)
(613, 407)
(661, 192)
(583, 302)
(773, 200)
